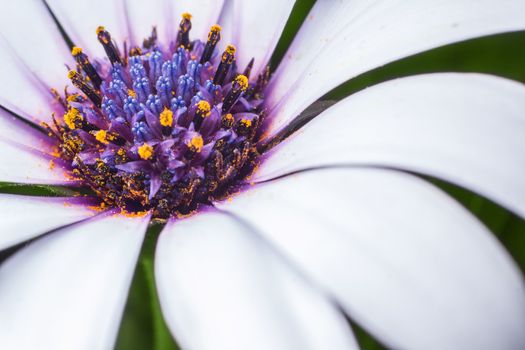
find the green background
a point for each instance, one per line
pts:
(143, 326)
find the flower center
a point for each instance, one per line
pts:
(165, 128)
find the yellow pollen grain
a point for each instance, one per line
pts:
(72, 74)
(75, 51)
(102, 136)
(145, 151)
(242, 80)
(230, 49)
(196, 143)
(215, 28)
(121, 152)
(166, 117)
(100, 29)
(186, 16)
(246, 122)
(71, 117)
(204, 108)
(132, 93)
(73, 98)
(228, 117)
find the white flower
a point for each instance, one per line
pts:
(334, 221)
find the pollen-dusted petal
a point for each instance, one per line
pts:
(25, 164)
(80, 18)
(405, 261)
(464, 128)
(258, 27)
(223, 287)
(68, 290)
(363, 35)
(25, 217)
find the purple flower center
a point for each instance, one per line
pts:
(162, 128)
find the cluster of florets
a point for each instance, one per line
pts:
(161, 128)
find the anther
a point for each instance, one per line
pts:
(135, 51)
(73, 119)
(227, 121)
(87, 89)
(102, 136)
(239, 85)
(86, 66)
(228, 56)
(195, 144)
(203, 111)
(145, 151)
(111, 50)
(213, 38)
(183, 36)
(166, 117)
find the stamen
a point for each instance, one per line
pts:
(145, 151)
(102, 136)
(183, 36)
(196, 143)
(203, 108)
(227, 121)
(166, 117)
(111, 50)
(227, 59)
(86, 66)
(213, 38)
(73, 119)
(240, 84)
(81, 84)
(203, 111)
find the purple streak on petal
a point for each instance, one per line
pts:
(154, 185)
(153, 123)
(136, 166)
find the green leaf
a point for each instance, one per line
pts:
(38, 190)
(501, 54)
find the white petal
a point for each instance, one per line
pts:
(362, 35)
(464, 128)
(143, 16)
(222, 287)
(80, 19)
(28, 165)
(205, 14)
(25, 217)
(258, 27)
(68, 290)
(403, 259)
(13, 129)
(21, 91)
(33, 35)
